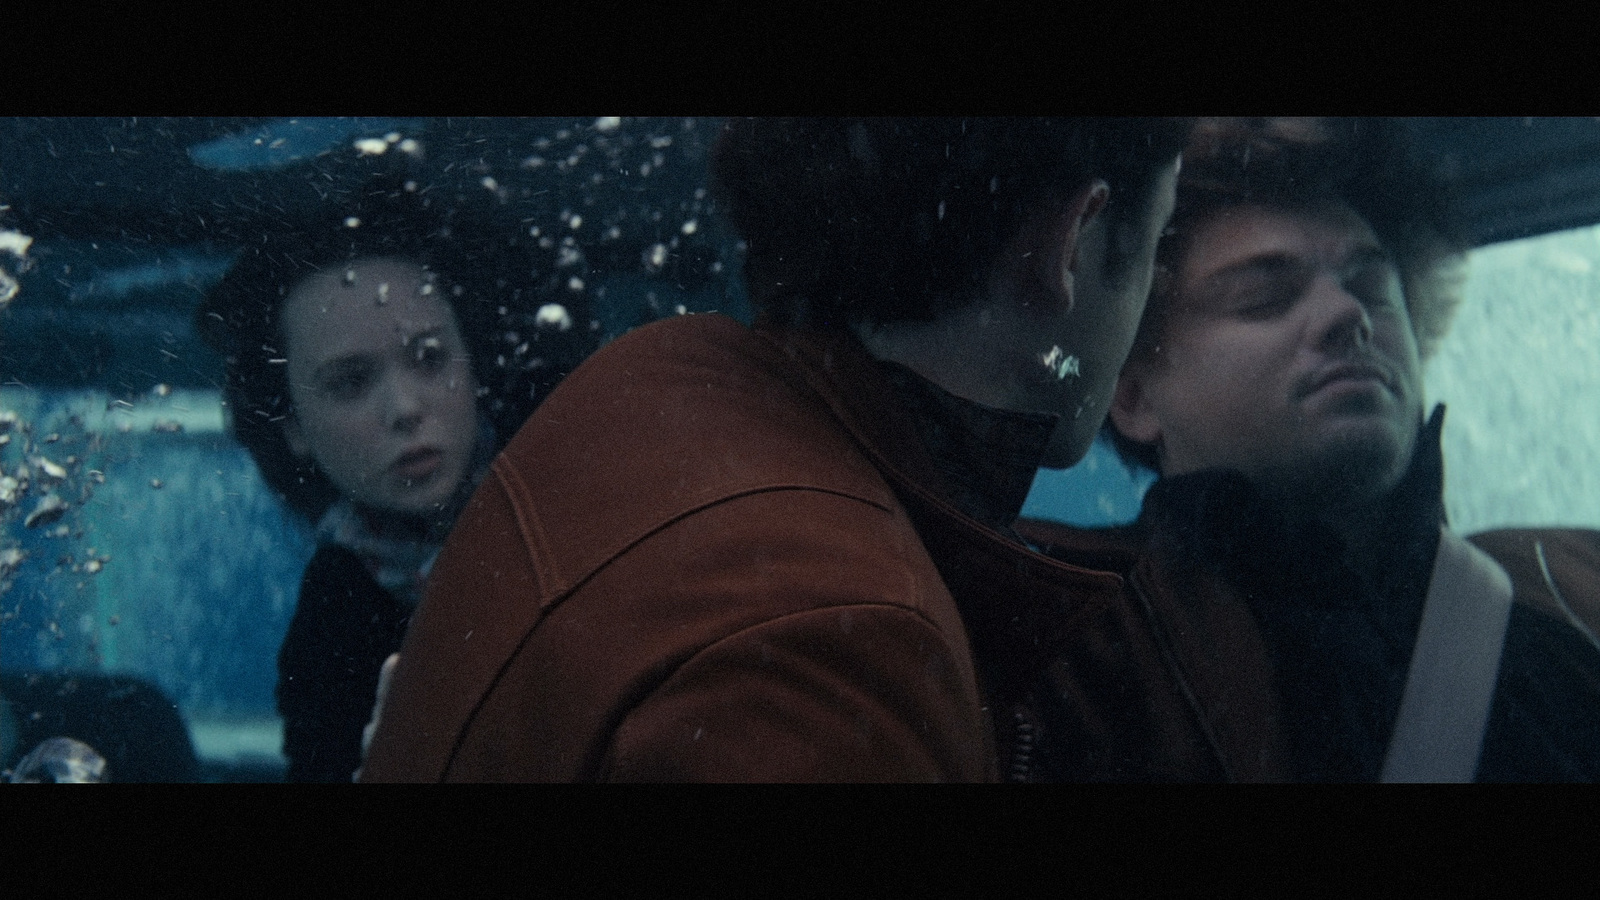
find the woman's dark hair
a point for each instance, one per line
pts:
(494, 279)
(1369, 164)
(880, 220)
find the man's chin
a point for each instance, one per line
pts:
(1356, 467)
(1067, 447)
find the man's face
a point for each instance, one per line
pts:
(1287, 354)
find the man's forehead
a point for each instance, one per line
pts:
(1233, 236)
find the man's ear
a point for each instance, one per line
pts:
(1039, 265)
(295, 438)
(1080, 212)
(1131, 411)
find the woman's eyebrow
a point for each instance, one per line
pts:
(343, 361)
(425, 331)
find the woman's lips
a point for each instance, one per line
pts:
(418, 464)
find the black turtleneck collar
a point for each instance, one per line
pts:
(1340, 630)
(987, 457)
(1220, 517)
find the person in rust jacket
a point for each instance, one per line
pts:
(1296, 607)
(783, 553)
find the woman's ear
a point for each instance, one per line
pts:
(295, 438)
(1131, 411)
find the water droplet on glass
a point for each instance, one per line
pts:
(554, 315)
(50, 508)
(50, 470)
(61, 760)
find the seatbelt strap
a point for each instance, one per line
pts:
(1455, 665)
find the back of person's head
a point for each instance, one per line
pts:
(1304, 164)
(487, 275)
(880, 220)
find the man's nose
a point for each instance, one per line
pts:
(1343, 322)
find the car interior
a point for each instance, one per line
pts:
(147, 574)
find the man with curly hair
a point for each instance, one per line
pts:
(1306, 612)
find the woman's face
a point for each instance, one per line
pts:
(381, 383)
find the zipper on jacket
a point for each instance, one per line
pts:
(1024, 742)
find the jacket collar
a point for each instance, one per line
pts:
(967, 459)
(1220, 519)
(987, 456)
(1019, 605)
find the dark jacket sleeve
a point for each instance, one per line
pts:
(344, 626)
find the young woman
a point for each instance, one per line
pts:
(362, 379)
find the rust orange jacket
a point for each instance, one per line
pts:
(719, 554)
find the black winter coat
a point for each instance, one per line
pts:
(344, 627)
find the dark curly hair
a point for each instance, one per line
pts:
(494, 279)
(879, 220)
(1369, 164)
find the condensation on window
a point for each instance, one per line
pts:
(1520, 380)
